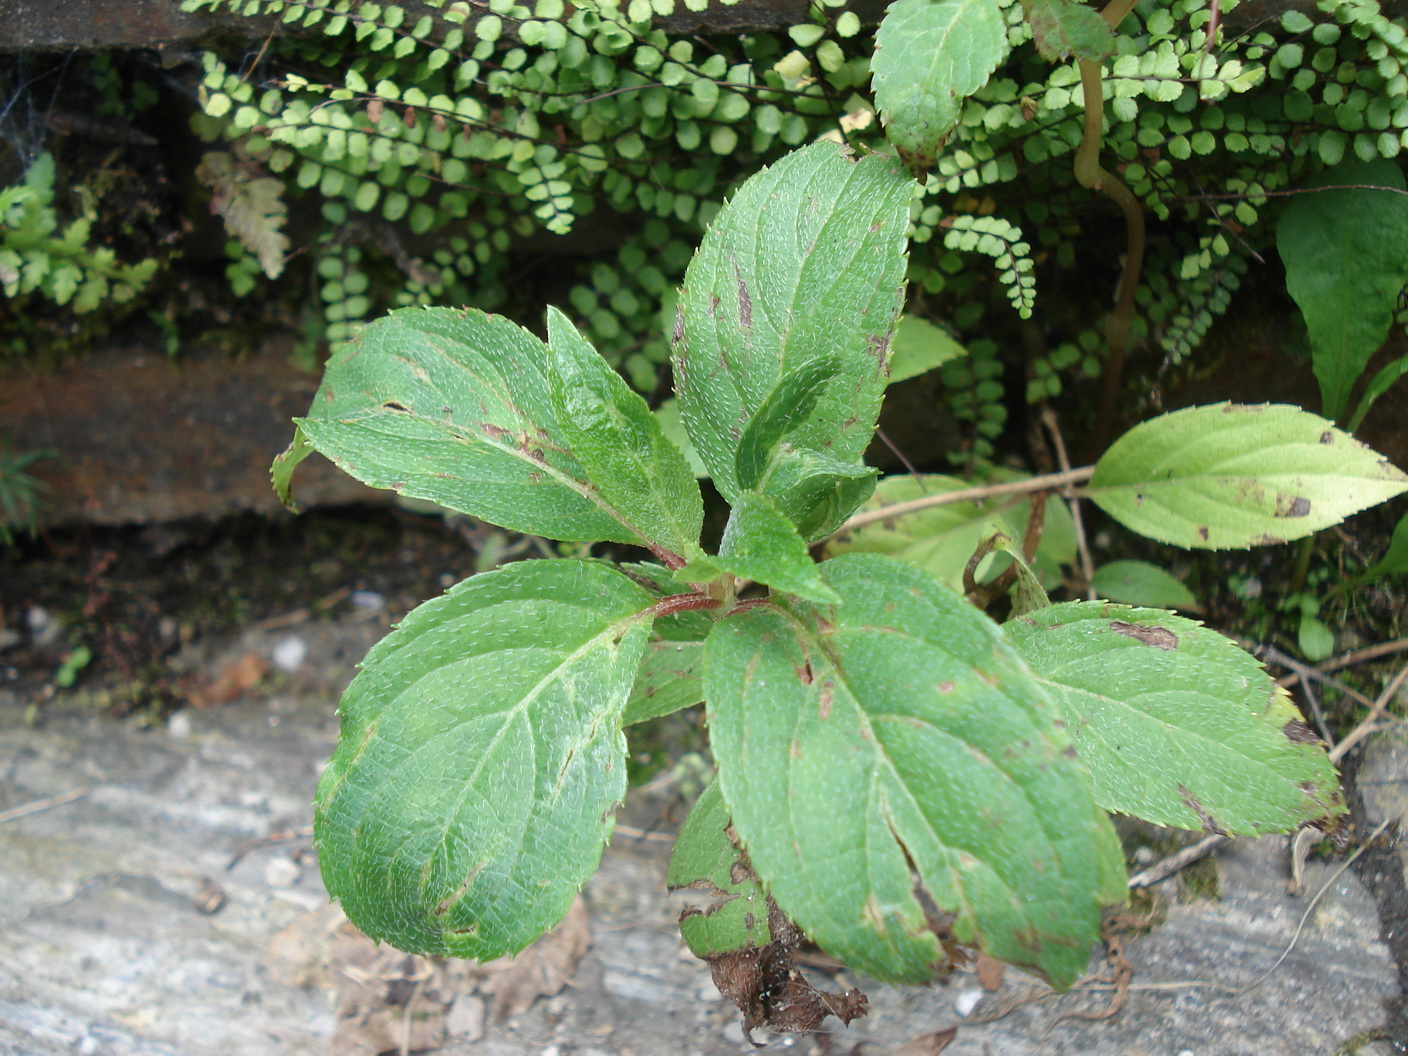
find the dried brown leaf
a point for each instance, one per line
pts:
(251, 205)
(541, 970)
(771, 992)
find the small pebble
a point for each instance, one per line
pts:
(289, 653)
(281, 872)
(44, 630)
(1144, 855)
(367, 600)
(178, 727)
(965, 1002)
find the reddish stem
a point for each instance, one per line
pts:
(682, 603)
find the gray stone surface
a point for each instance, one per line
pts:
(104, 951)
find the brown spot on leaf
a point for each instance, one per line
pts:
(804, 673)
(1158, 637)
(745, 306)
(1327, 437)
(443, 906)
(944, 687)
(828, 694)
(770, 991)
(1297, 732)
(879, 346)
(679, 322)
(1203, 533)
(1292, 505)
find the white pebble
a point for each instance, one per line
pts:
(965, 1002)
(367, 600)
(179, 726)
(281, 872)
(289, 653)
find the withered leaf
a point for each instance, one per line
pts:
(539, 971)
(769, 989)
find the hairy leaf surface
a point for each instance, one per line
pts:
(1064, 29)
(1176, 724)
(782, 412)
(1346, 258)
(670, 679)
(620, 444)
(454, 407)
(761, 544)
(806, 261)
(706, 859)
(1232, 475)
(930, 56)
(481, 759)
(898, 779)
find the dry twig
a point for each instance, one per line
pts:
(39, 805)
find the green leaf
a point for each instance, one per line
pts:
(942, 539)
(930, 56)
(1316, 640)
(1346, 258)
(455, 407)
(1140, 583)
(893, 768)
(807, 260)
(1027, 591)
(1395, 558)
(706, 859)
(920, 346)
(1384, 380)
(760, 543)
(1233, 475)
(668, 415)
(782, 412)
(628, 459)
(281, 471)
(481, 759)
(670, 679)
(1063, 29)
(1176, 724)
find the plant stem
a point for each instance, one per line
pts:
(1048, 482)
(1089, 174)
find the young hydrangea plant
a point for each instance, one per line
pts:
(900, 778)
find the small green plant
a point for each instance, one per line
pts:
(20, 492)
(36, 256)
(900, 778)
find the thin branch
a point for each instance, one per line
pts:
(1087, 564)
(1367, 727)
(42, 804)
(1165, 868)
(1359, 656)
(1048, 482)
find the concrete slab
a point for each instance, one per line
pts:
(105, 946)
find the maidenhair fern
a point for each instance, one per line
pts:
(437, 138)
